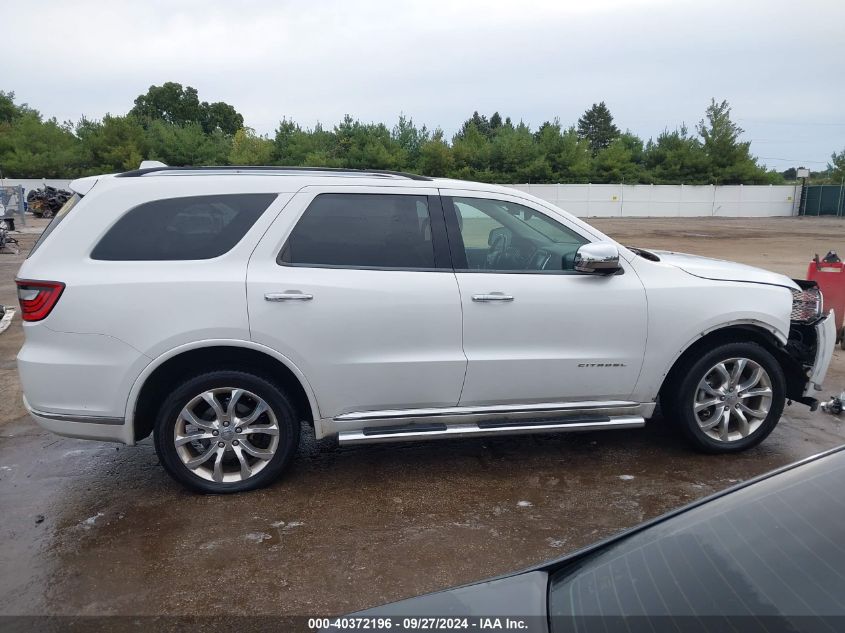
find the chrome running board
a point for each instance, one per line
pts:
(454, 427)
(544, 410)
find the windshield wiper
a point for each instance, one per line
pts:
(644, 253)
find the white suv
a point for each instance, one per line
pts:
(220, 308)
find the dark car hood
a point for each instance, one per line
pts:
(525, 595)
(519, 596)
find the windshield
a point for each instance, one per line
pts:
(61, 214)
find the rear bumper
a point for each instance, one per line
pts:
(78, 384)
(825, 342)
(85, 427)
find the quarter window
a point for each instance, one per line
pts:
(508, 237)
(362, 231)
(196, 227)
(61, 214)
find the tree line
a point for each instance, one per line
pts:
(169, 123)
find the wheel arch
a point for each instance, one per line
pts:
(738, 332)
(182, 361)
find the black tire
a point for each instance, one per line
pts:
(270, 469)
(684, 387)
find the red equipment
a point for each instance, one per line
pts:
(829, 274)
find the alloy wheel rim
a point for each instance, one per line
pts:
(226, 435)
(733, 399)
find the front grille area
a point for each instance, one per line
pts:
(806, 305)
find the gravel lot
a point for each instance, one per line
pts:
(94, 529)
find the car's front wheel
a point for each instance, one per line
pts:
(226, 431)
(729, 399)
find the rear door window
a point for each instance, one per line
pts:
(354, 230)
(188, 228)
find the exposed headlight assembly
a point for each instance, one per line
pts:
(807, 304)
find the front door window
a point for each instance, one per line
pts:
(504, 236)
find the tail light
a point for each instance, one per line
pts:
(38, 298)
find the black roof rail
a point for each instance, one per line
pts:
(246, 168)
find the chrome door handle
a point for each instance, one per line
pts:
(290, 295)
(493, 296)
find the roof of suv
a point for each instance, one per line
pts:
(158, 181)
(295, 177)
(270, 170)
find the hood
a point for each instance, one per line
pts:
(721, 270)
(523, 595)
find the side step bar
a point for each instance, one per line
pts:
(444, 430)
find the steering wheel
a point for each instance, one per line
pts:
(499, 241)
(538, 259)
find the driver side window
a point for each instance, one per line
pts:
(508, 237)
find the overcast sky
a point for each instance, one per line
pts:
(656, 63)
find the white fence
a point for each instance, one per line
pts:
(641, 201)
(670, 201)
(34, 183)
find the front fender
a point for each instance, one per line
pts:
(682, 309)
(757, 325)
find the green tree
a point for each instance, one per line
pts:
(515, 156)
(169, 102)
(171, 124)
(9, 110)
(568, 156)
(676, 158)
(292, 145)
(187, 144)
(250, 149)
(471, 152)
(617, 162)
(729, 159)
(172, 103)
(435, 156)
(366, 146)
(410, 140)
(220, 116)
(32, 148)
(495, 122)
(836, 167)
(481, 125)
(117, 143)
(596, 126)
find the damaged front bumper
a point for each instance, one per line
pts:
(808, 353)
(825, 342)
(809, 349)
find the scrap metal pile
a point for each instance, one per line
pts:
(44, 203)
(6, 315)
(7, 244)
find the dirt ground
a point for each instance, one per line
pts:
(94, 529)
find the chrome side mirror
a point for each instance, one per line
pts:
(597, 258)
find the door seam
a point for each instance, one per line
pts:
(463, 350)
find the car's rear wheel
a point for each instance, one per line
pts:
(226, 431)
(730, 399)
